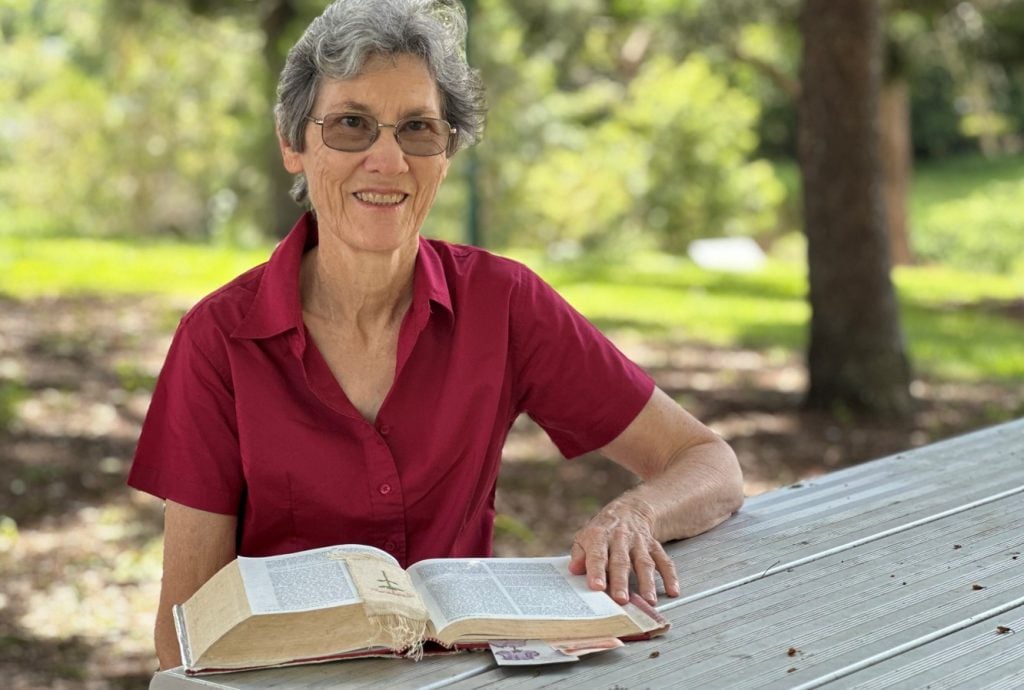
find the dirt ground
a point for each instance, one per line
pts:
(80, 554)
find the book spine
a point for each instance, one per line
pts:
(183, 643)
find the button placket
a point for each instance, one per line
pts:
(386, 493)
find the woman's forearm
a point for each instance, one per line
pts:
(700, 488)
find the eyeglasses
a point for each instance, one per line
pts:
(416, 136)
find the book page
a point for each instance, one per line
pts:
(512, 588)
(304, 581)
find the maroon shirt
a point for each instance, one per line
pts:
(248, 420)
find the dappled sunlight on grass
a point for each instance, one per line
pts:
(965, 344)
(698, 314)
(950, 287)
(86, 584)
(650, 293)
(67, 266)
(945, 311)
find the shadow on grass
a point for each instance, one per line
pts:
(31, 661)
(44, 477)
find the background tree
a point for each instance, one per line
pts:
(280, 22)
(856, 356)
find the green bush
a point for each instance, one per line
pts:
(118, 128)
(671, 157)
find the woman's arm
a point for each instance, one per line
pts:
(691, 482)
(196, 545)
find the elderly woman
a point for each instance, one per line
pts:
(358, 387)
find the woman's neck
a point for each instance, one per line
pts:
(367, 290)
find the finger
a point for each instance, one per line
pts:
(619, 565)
(597, 564)
(643, 566)
(667, 569)
(577, 559)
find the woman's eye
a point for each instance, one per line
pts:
(415, 125)
(352, 121)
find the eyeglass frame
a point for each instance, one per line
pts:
(448, 150)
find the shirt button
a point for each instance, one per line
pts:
(389, 546)
(385, 430)
(384, 489)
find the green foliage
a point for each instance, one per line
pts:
(700, 134)
(934, 120)
(122, 131)
(613, 124)
(668, 154)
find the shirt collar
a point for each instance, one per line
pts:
(277, 306)
(429, 282)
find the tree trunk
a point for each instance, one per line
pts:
(897, 166)
(856, 356)
(282, 211)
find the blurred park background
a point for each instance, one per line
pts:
(138, 171)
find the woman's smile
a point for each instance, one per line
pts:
(381, 199)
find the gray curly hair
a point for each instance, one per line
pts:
(337, 44)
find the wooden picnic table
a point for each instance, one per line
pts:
(906, 571)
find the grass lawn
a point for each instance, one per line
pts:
(68, 266)
(952, 319)
(951, 329)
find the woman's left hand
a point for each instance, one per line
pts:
(617, 541)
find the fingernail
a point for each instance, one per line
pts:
(599, 582)
(621, 594)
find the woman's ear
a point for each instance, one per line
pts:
(292, 158)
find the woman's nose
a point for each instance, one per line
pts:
(385, 155)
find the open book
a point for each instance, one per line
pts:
(352, 601)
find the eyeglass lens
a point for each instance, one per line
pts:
(417, 136)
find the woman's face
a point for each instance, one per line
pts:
(377, 199)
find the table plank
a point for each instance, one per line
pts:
(838, 511)
(974, 658)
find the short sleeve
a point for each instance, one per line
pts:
(572, 380)
(188, 450)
